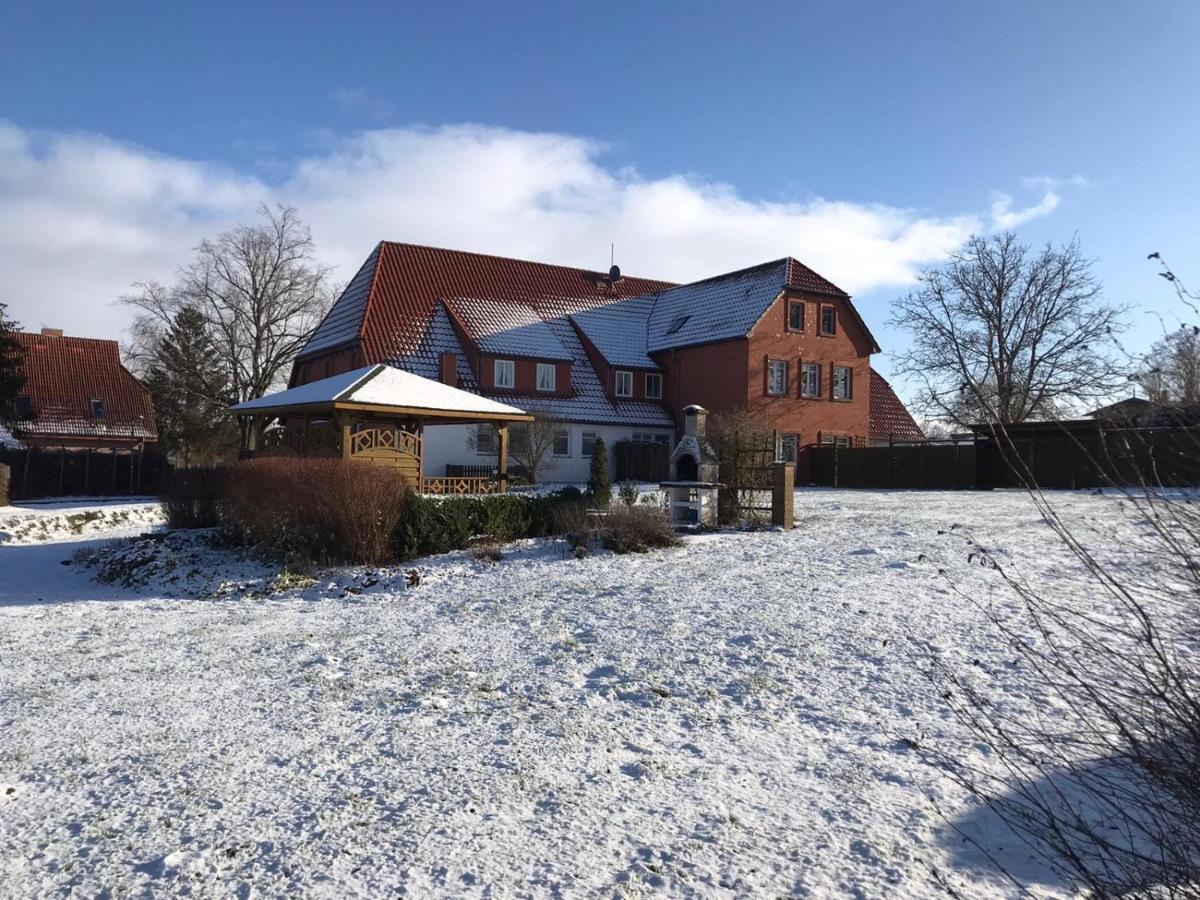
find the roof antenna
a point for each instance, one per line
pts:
(614, 271)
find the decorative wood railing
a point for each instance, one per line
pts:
(461, 487)
(318, 440)
(374, 440)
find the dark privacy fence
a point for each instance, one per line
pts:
(642, 461)
(1050, 457)
(75, 473)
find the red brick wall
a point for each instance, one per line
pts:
(790, 413)
(525, 376)
(712, 375)
(326, 365)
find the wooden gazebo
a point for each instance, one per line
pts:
(376, 414)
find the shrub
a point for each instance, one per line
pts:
(637, 529)
(628, 492)
(315, 510)
(191, 497)
(433, 525)
(486, 548)
(506, 516)
(599, 486)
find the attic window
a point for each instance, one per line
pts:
(98, 411)
(24, 406)
(677, 324)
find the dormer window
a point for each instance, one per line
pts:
(676, 324)
(24, 406)
(98, 410)
(653, 386)
(505, 374)
(546, 377)
(624, 383)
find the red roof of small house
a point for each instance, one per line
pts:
(889, 418)
(63, 375)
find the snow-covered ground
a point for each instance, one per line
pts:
(740, 716)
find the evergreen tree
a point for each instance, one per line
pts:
(11, 379)
(599, 486)
(191, 393)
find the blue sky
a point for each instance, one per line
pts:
(863, 138)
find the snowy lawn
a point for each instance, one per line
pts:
(743, 715)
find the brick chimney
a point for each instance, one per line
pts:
(449, 369)
(52, 332)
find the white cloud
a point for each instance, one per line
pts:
(358, 100)
(1005, 217)
(85, 217)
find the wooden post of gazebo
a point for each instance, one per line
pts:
(502, 455)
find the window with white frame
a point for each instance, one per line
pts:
(653, 386)
(777, 377)
(789, 445)
(842, 382)
(810, 380)
(505, 373)
(624, 383)
(562, 442)
(836, 440)
(589, 443)
(485, 438)
(546, 376)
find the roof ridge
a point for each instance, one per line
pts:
(66, 337)
(518, 259)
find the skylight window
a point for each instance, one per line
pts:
(677, 324)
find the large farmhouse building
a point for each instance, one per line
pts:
(611, 357)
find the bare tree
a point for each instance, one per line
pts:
(1102, 778)
(1173, 367)
(1001, 333)
(260, 292)
(530, 444)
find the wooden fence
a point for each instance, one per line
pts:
(1169, 457)
(52, 472)
(642, 461)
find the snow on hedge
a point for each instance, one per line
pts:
(741, 716)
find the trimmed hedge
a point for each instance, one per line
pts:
(432, 525)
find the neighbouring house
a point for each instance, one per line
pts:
(78, 396)
(605, 355)
(891, 422)
(1124, 412)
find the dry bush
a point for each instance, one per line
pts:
(191, 497)
(486, 548)
(637, 529)
(745, 449)
(316, 510)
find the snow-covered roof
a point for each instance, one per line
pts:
(716, 309)
(618, 331)
(381, 385)
(341, 324)
(507, 328)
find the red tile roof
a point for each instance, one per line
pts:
(409, 280)
(889, 418)
(802, 277)
(64, 374)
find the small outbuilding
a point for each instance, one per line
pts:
(377, 414)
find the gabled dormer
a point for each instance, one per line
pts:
(509, 348)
